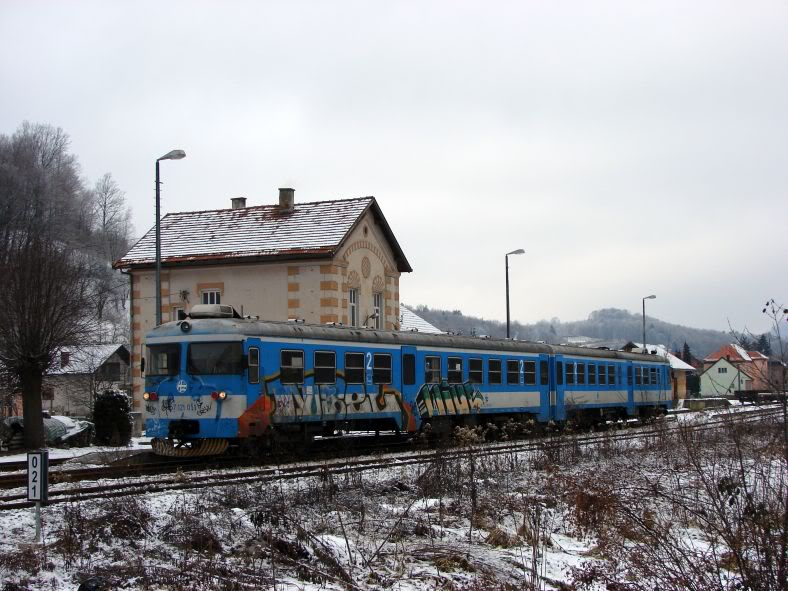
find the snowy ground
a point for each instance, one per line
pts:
(558, 518)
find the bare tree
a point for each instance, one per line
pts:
(49, 278)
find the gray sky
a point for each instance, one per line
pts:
(629, 147)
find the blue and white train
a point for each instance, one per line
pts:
(215, 380)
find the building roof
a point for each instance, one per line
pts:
(734, 353)
(410, 321)
(87, 358)
(675, 362)
(258, 233)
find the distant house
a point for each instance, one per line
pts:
(732, 368)
(679, 369)
(321, 262)
(80, 373)
(410, 321)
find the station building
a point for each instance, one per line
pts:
(319, 262)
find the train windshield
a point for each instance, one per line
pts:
(215, 358)
(163, 360)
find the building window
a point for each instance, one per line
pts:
(377, 308)
(211, 296)
(722, 370)
(455, 370)
(352, 297)
(325, 367)
(291, 369)
(475, 374)
(494, 371)
(432, 370)
(381, 368)
(354, 368)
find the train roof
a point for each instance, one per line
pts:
(203, 327)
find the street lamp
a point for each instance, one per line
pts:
(373, 316)
(518, 251)
(651, 297)
(172, 155)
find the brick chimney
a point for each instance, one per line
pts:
(286, 200)
(238, 202)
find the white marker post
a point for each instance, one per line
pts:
(38, 483)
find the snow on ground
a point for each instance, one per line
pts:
(589, 516)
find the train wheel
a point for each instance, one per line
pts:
(189, 448)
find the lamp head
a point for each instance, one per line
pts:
(518, 251)
(174, 155)
(651, 297)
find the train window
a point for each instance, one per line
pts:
(512, 371)
(592, 374)
(646, 379)
(494, 371)
(611, 374)
(455, 370)
(475, 373)
(381, 368)
(654, 375)
(254, 365)
(629, 375)
(544, 376)
(163, 360)
(215, 358)
(291, 367)
(409, 369)
(581, 373)
(325, 363)
(354, 368)
(638, 378)
(602, 374)
(559, 372)
(570, 372)
(432, 370)
(530, 373)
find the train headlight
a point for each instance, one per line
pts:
(152, 396)
(221, 395)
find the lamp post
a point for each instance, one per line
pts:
(651, 297)
(172, 155)
(518, 251)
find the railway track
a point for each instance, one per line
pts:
(182, 481)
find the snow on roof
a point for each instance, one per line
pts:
(310, 229)
(734, 352)
(410, 320)
(675, 362)
(84, 359)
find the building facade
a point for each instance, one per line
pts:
(320, 262)
(732, 368)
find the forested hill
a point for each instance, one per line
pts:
(608, 325)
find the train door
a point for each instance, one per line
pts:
(557, 408)
(254, 370)
(544, 388)
(630, 388)
(408, 385)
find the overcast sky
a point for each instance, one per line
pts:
(629, 147)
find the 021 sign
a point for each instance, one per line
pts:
(38, 476)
